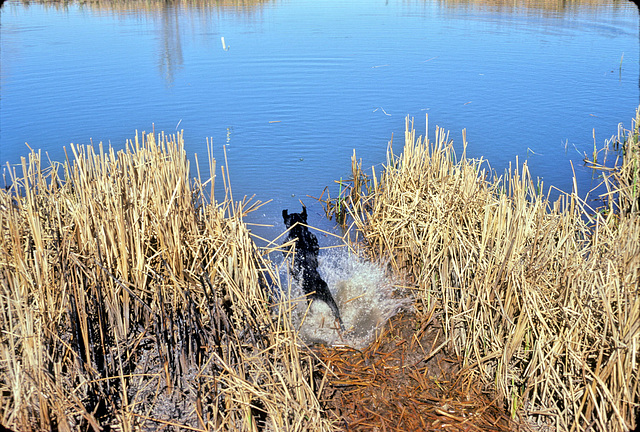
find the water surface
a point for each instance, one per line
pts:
(305, 82)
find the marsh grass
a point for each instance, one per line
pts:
(130, 301)
(541, 300)
(625, 180)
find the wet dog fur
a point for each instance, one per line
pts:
(305, 263)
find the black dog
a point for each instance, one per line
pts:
(305, 263)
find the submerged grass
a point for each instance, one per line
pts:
(541, 300)
(404, 382)
(129, 302)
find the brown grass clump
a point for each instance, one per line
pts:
(540, 300)
(129, 302)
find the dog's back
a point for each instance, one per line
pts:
(305, 263)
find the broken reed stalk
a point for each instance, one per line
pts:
(540, 299)
(127, 300)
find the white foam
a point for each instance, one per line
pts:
(366, 297)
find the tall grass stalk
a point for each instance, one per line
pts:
(129, 300)
(626, 179)
(541, 300)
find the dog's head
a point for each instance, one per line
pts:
(293, 218)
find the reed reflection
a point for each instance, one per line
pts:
(174, 17)
(170, 52)
(555, 6)
(171, 17)
(170, 14)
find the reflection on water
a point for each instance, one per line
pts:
(151, 6)
(168, 15)
(535, 5)
(171, 52)
(306, 82)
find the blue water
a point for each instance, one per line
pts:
(305, 82)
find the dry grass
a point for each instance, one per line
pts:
(541, 300)
(623, 182)
(129, 302)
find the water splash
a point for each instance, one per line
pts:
(365, 295)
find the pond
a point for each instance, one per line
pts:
(290, 88)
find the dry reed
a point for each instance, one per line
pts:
(130, 302)
(541, 300)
